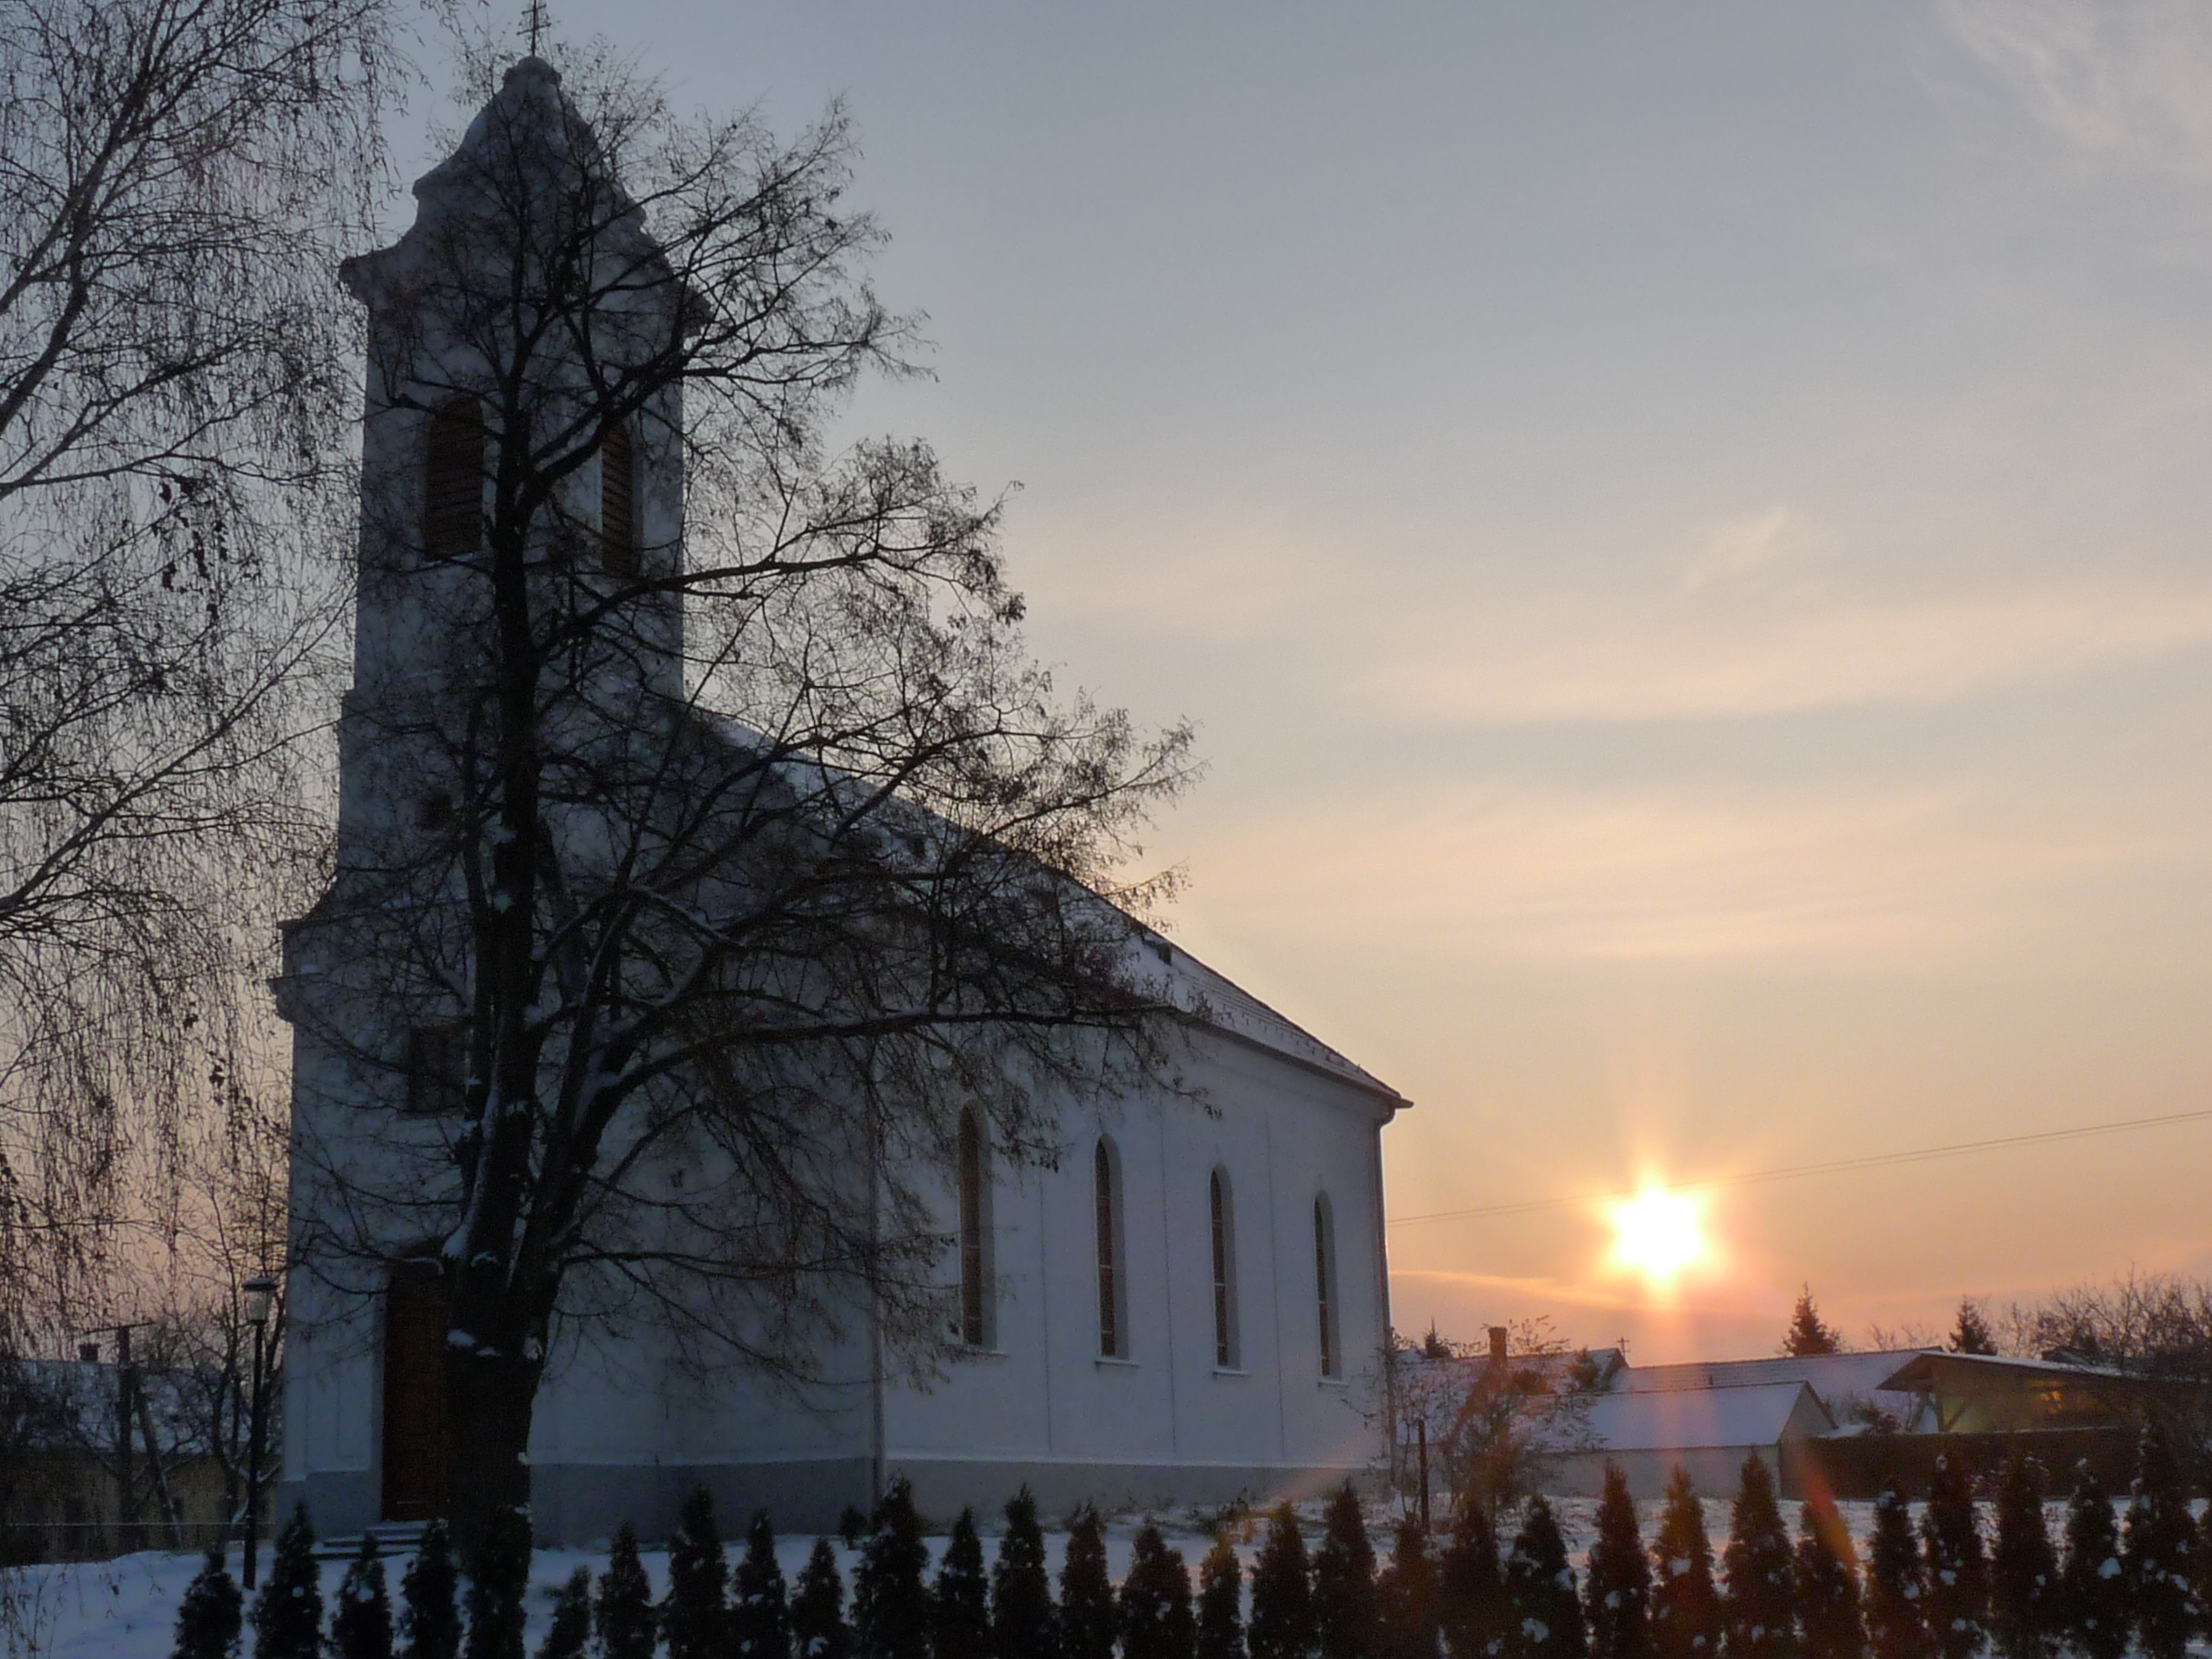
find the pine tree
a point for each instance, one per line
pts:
(1807, 1336)
(288, 1613)
(1617, 1595)
(694, 1616)
(1971, 1333)
(2158, 1553)
(360, 1624)
(1758, 1598)
(1405, 1595)
(1896, 1627)
(760, 1611)
(430, 1599)
(1470, 1587)
(961, 1603)
(498, 1580)
(891, 1602)
(622, 1613)
(1087, 1614)
(818, 1627)
(1281, 1626)
(2092, 1588)
(1021, 1588)
(1957, 1575)
(1544, 1614)
(1685, 1606)
(1156, 1606)
(2023, 1569)
(212, 1616)
(1829, 1623)
(1343, 1580)
(570, 1635)
(1221, 1603)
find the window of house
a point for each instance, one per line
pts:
(1223, 1220)
(437, 1067)
(1325, 1285)
(618, 502)
(1113, 1290)
(976, 1300)
(453, 480)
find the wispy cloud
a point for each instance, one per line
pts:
(1901, 878)
(2130, 79)
(1582, 657)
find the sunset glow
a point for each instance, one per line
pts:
(1657, 1234)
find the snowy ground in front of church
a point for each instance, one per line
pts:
(126, 1609)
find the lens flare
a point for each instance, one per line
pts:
(1657, 1234)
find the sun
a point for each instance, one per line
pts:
(1657, 1234)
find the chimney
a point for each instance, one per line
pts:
(1497, 1344)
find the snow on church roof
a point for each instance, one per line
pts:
(1232, 1010)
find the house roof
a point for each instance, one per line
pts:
(1928, 1370)
(1761, 1413)
(1828, 1374)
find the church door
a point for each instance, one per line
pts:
(414, 1396)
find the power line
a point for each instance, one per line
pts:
(1834, 1165)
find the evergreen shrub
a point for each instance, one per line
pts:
(288, 1613)
(1544, 1614)
(1021, 1587)
(1155, 1604)
(963, 1599)
(1685, 1606)
(1281, 1625)
(818, 1627)
(622, 1613)
(360, 1624)
(1087, 1612)
(430, 1599)
(1617, 1592)
(1221, 1603)
(212, 1616)
(1343, 1580)
(759, 1609)
(570, 1635)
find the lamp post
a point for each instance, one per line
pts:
(260, 1292)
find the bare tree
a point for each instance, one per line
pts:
(1496, 1425)
(174, 176)
(709, 840)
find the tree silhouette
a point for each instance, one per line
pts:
(1807, 1337)
(1685, 1606)
(1616, 1590)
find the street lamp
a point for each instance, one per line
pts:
(260, 1292)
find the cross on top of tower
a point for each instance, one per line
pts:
(533, 23)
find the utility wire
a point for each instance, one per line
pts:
(1834, 1166)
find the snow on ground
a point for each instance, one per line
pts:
(126, 1609)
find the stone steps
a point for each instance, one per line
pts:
(393, 1538)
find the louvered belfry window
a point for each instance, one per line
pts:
(453, 480)
(618, 502)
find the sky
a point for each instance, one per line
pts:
(1683, 530)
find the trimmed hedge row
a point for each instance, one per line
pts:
(1941, 1590)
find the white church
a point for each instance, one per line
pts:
(1186, 1309)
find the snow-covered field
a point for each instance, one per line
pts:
(126, 1609)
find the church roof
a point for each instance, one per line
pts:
(1228, 1008)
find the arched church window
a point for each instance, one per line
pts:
(1113, 1289)
(618, 501)
(1325, 1285)
(1223, 1218)
(452, 480)
(976, 1301)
